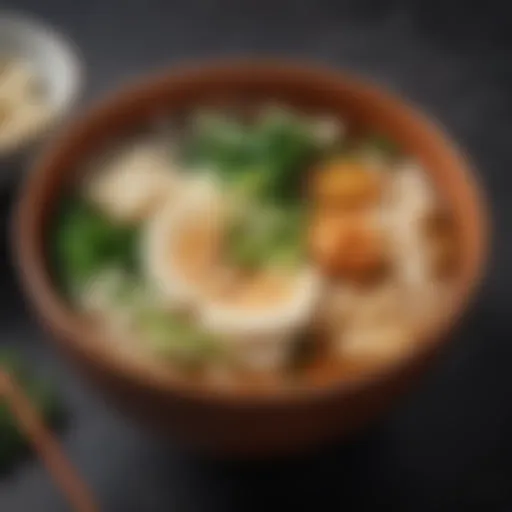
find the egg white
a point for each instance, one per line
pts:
(263, 337)
(199, 199)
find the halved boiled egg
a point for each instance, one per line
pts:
(261, 314)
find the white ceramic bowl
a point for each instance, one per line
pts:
(56, 61)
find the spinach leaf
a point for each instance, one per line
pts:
(285, 147)
(278, 147)
(84, 242)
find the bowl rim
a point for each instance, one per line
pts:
(69, 330)
(76, 63)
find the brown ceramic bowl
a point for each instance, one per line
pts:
(227, 423)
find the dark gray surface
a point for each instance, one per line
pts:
(449, 446)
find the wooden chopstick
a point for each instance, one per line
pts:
(45, 444)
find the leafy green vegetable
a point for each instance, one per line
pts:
(286, 147)
(217, 142)
(277, 148)
(265, 237)
(85, 242)
(176, 339)
(243, 250)
(250, 186)
(43, 395)
(287, 255)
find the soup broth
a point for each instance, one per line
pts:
(252, 250)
